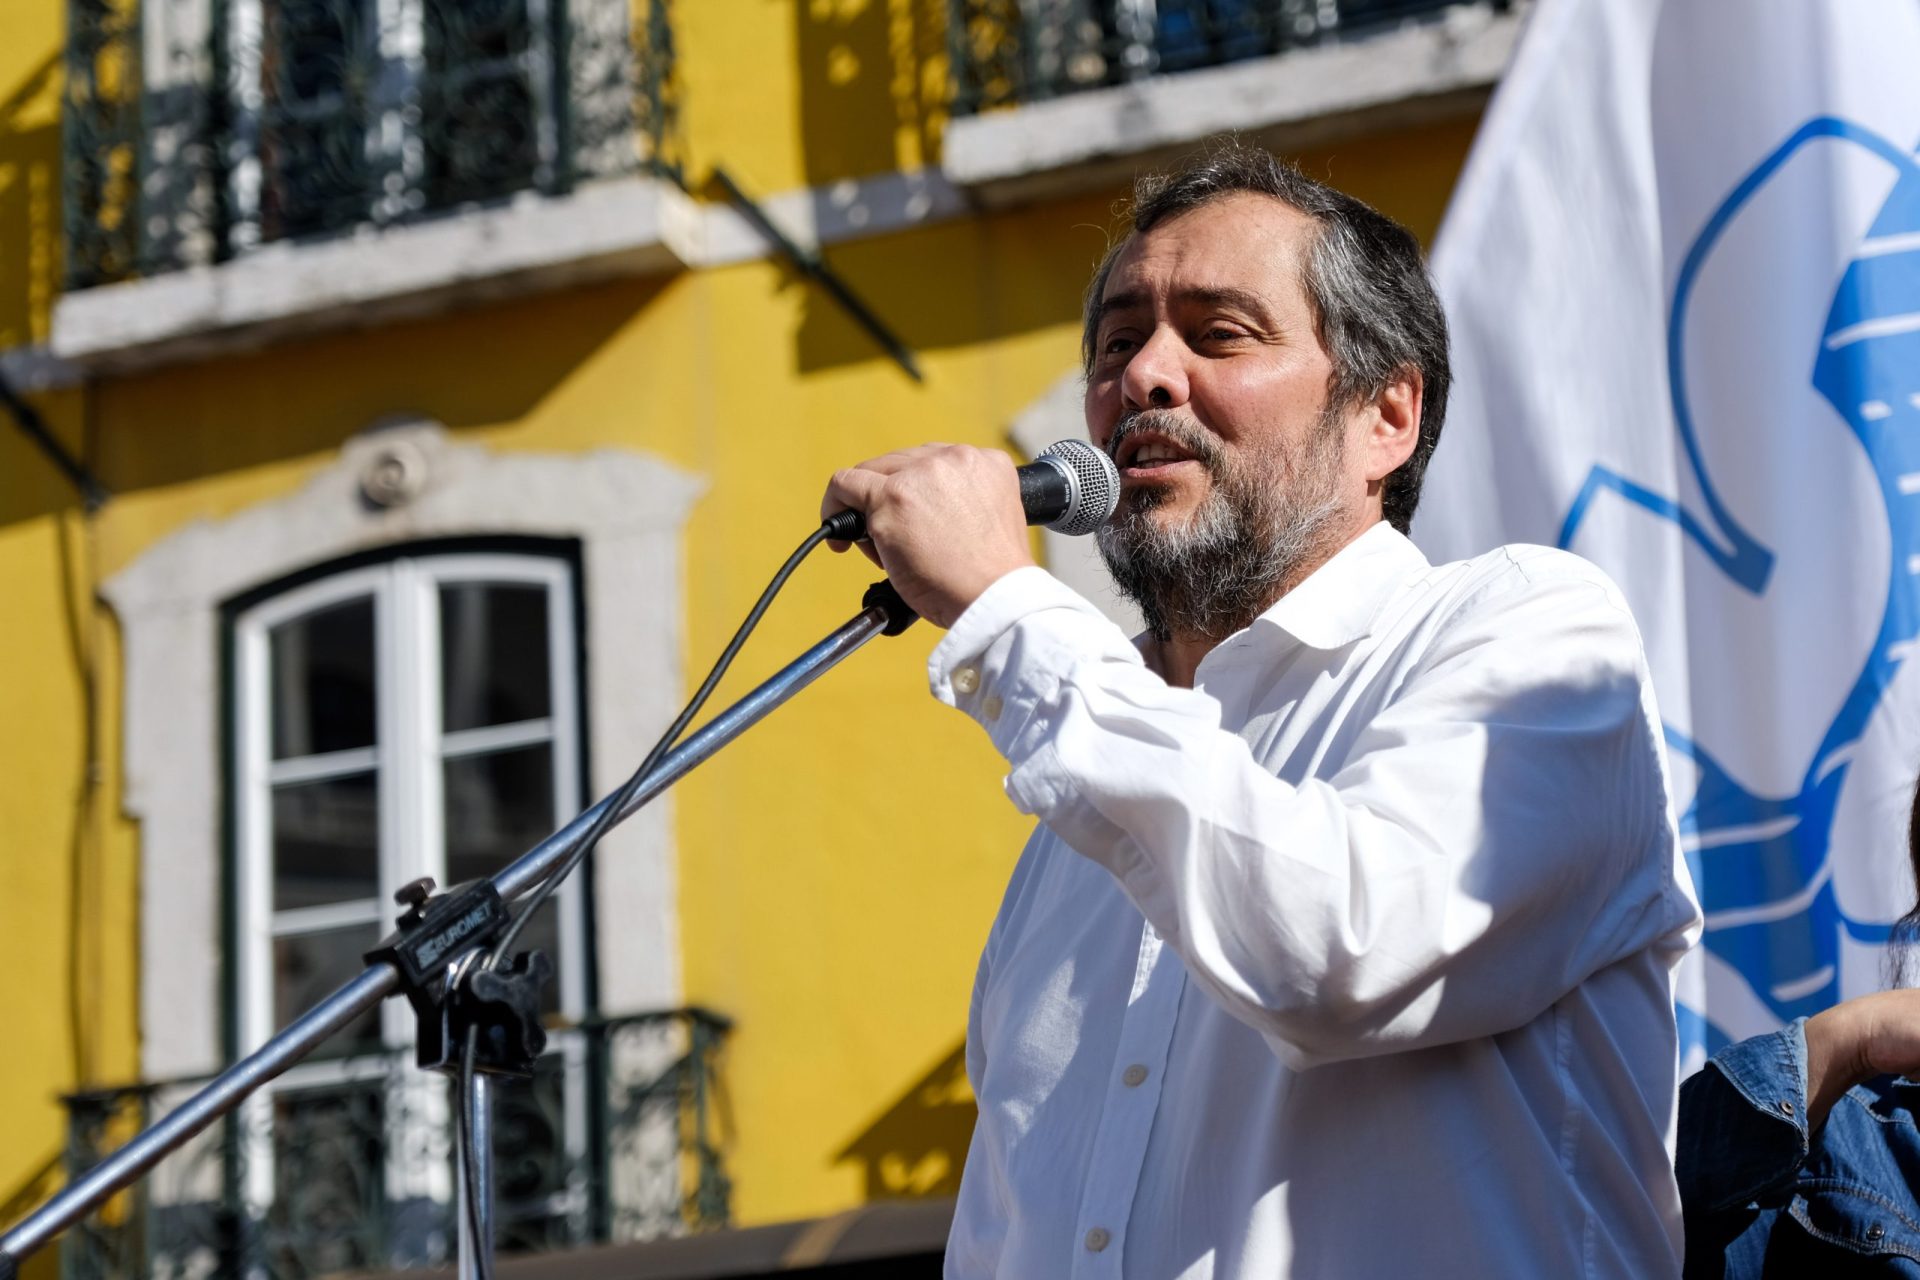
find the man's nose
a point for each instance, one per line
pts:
(1156, 377)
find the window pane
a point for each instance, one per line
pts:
(326, 842)
(316, 64)
(322, 680)
(480, 113)
(498, 806)
(494, 664)
(309, 966)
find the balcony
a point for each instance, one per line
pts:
(1053, 96)
(1007, 54)
(270, 166)
(345, 1165)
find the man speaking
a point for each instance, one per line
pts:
(1344, 945)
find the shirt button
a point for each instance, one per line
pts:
(992, 707)
(1786, 1106)
(966, 680)
(1098, 1239)
(1134, 1076)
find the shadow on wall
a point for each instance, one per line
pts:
(962, 283)
(873, 85)
(29, 205)
(874, 94)
(481, 365)
(918, 1145)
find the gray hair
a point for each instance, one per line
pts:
(1374, 306)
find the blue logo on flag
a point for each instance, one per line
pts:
(1762, 862)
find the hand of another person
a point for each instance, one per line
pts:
(944, 521)
(1857, 1040)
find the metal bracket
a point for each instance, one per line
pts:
(93, 495)
(810, 264)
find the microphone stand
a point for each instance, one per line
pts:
(438, 939)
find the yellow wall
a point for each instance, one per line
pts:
(66, 887)
(839, 865)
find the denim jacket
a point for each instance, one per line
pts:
(1764, 1198)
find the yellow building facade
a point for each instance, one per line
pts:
(614, 393)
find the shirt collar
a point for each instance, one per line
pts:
(1338, 602)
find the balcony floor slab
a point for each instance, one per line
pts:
(620, 228)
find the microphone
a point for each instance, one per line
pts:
(1072, 488)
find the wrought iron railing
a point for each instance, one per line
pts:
(1006, 52)
(346, 1165)
(196, 130)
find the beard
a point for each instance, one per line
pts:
(1263, 525)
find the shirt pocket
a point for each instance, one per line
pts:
(1860, 1225)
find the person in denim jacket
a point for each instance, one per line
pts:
(1798, 1154)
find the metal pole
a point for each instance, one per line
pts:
(479, 1150)
(306, 1033)
(227, 1091)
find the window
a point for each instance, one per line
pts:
(199, 131)
(359, 110)
(416, 717)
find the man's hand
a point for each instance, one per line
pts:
(944, 521)
(1865, 1037)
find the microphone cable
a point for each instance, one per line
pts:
(833, 527)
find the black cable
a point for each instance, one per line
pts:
(611, 813)
(463, 1135)
(464, 1157)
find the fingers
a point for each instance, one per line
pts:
(858, 488)
(943, 521)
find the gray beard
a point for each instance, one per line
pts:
(1263, 525)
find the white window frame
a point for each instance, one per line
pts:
(410, 749)
(173, 606)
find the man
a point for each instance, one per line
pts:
(1344, 946)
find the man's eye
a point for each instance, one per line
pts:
(1116, 344)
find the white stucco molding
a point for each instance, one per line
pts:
(610, 229)
(606, 230)
(627, 509)
(33, 368)
(1429, 70)
(1057, 415)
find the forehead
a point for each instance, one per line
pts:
(1243, 241)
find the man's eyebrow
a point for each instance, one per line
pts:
(1206, 295)
(1129, 300)
(1228, 296)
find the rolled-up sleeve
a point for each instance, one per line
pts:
(1743, 1123)
(1496, 830)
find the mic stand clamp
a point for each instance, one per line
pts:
(434, 949)
(438, 949)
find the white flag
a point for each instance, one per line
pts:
(1683, 272)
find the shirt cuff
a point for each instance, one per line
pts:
(1743, 1122)
(1005, 659)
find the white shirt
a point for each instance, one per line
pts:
(1354, 960)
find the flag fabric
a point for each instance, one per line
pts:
(1682, 267)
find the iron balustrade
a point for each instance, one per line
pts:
(1008, 52)
(195, 130)
(345, 1164)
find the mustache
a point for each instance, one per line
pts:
(1164, 422)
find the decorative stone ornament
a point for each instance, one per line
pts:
(395, 475)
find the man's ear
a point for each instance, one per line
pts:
(1392, 425)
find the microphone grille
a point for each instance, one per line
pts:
(1094, 481)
